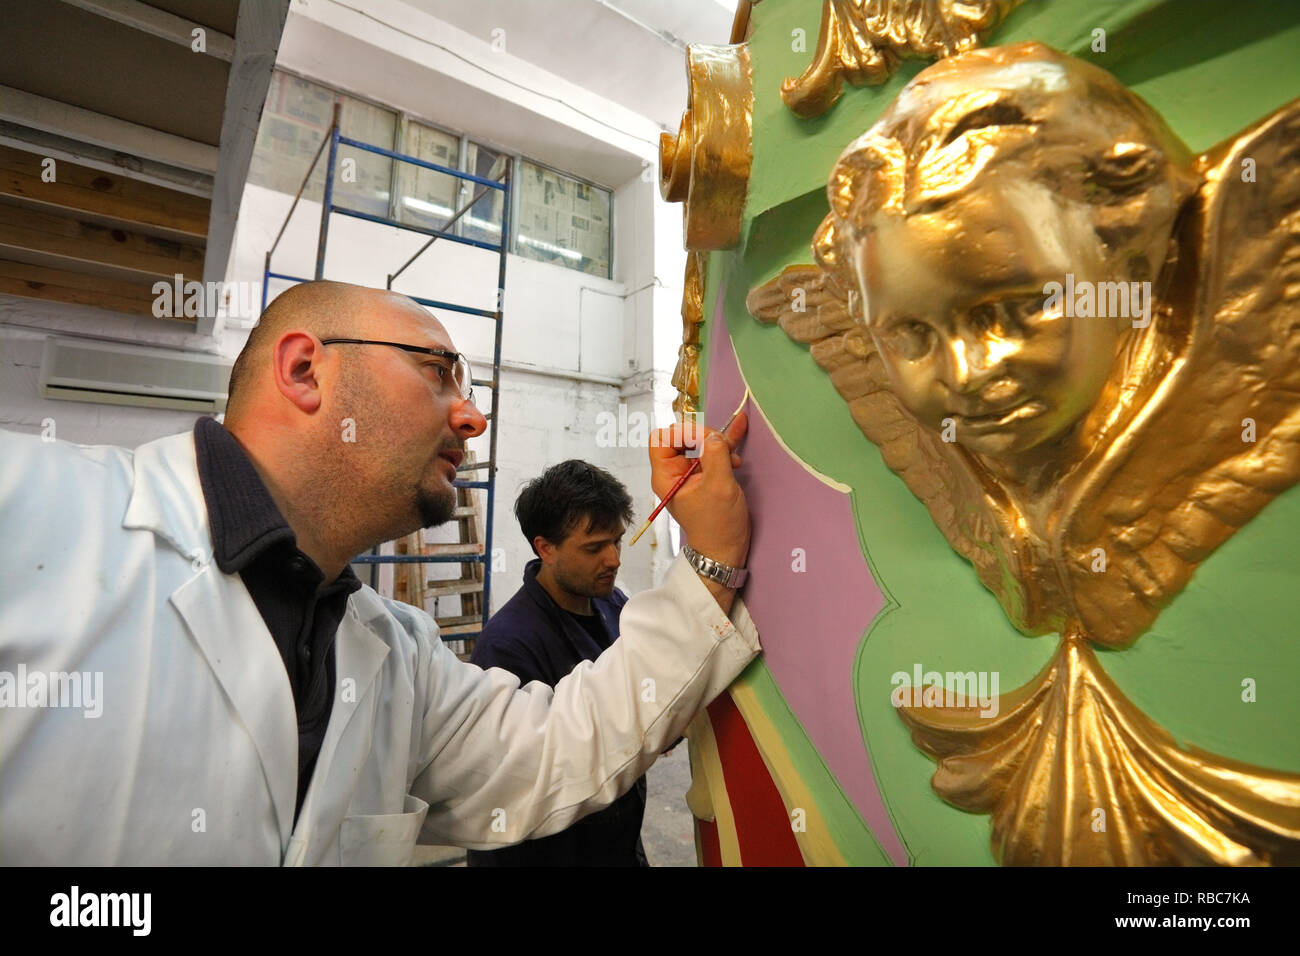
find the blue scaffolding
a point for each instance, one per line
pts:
(333, 140)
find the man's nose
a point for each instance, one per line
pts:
(465, 419)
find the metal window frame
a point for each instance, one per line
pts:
(459, 163)
(466, 140)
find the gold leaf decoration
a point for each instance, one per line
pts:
(863, 41)
(686, 376)
(706, 165)
(1073, 774)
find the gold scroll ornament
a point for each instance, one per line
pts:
(706, 167)
(1084, 459)
(863, 41)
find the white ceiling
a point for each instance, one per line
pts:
(593, 46)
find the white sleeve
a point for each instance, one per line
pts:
(499, 763)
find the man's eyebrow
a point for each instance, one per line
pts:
(424, 343)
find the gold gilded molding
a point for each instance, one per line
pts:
(686, 376)
(1085, 460)
(706, 165)
(863, 41)
(741, 24)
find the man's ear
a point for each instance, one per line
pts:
(543, 548)
(295, 364)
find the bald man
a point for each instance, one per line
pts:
(191, 673)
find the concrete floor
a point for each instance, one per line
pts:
(667, 833)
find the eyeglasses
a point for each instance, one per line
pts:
(458, 372)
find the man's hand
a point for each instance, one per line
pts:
(711, 506)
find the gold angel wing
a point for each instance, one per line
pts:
(1220, 437)
(813, 306)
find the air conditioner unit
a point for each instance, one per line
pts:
(85, 370)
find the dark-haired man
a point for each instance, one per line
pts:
(567, 611)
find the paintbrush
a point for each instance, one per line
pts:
(695, 466)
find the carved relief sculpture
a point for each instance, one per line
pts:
(863, 41)
(1079, 346)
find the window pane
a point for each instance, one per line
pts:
(483, 222)
(427, 198)
(563, 221)
(295, 120)
(375, 127)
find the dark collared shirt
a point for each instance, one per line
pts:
(251, 538)
(535, 639)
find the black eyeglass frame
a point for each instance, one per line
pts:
(467, 394)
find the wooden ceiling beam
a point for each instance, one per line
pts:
(73, 122)
(34, 281)
(28, 235)
(104, 198)
(106, 160)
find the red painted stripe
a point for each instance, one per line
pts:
(706, 838)
(762, 826)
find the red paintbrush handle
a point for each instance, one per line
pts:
(695, 465)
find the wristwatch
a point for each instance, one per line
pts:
(724, 574)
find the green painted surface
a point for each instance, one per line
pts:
(1211, 69)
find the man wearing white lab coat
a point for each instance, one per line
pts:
(181, 739)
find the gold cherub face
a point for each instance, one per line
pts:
(963, 331)
(971, 195)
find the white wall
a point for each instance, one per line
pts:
(24, 326)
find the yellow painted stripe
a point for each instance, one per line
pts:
(707, 765)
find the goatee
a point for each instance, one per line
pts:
(436, 507)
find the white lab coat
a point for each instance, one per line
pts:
(106, 568)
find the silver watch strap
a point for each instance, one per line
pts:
(724, 574)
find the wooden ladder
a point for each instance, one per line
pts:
(414, 587)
